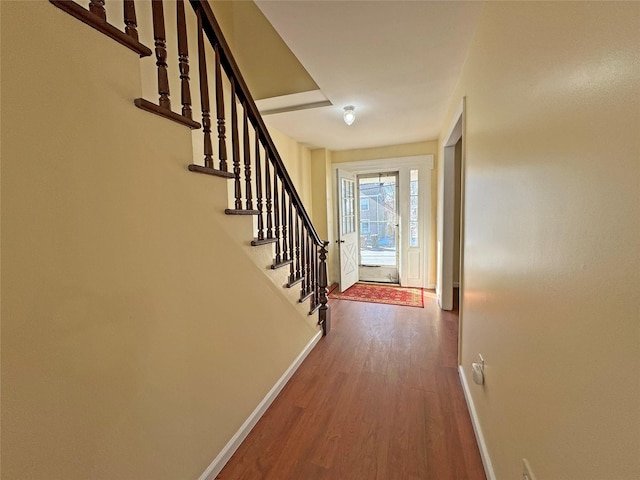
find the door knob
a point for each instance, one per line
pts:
(339, 241)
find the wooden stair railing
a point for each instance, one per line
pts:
(262, 186)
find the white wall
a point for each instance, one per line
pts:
(552, 227)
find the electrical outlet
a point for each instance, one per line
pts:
(527, 474)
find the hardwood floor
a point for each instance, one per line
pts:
(379, 398)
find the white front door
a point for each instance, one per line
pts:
(348, 238)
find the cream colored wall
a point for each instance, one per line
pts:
(267, 64)
(297, 160)
(322, 200)
(396, 151)
(129, 349)
(551, 228)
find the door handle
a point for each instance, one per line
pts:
(339, 241)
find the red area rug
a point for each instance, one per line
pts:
(374, 293)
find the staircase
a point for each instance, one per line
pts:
(239, 151)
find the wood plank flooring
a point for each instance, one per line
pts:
(378, 398)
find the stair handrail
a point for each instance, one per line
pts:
(312, 275)
(215, 36)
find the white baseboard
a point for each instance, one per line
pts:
(484, 453)
(229, 449)
(431, 286)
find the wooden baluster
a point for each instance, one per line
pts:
(324, 317)
(161, 54)
(297, 243)
(97, 8)
(305, 273)
(247, 161)
(316, 260)
(235, 147)
(222, 141)
(183, 59)
(276, 213)
(130, 21)
(204, 96)
(259, 190)
(314, 280)
(307, 266)
(292, 268)
(285, 234)
(303, 259)
(267, 186)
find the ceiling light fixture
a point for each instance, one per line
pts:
(349, 114)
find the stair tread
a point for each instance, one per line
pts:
(303, 298)
(283, 263)
(151, 107)
(235, 211)
(295, 281)
(263, 241)
(210, 171)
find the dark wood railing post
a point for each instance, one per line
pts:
(297, 244)
(303, 261)
(222, 141)
(307, 267)
(316, 261)
(292, 267)
(97, 8)
(267, 186)
(285, 234)
(324, 315)
(246, 150)
(276, 214)
(204, 97)
(130, 22)
(314, 275)
(159, 36)
(183, 59)
(259, 190)
(235, 148)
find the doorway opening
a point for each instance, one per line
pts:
(378, 215)
(393, 245)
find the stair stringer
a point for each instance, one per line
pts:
(241, 229)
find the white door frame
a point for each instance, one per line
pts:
(424, 164)
(446, 217)
(348, 250)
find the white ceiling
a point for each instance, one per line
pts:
(398, 62)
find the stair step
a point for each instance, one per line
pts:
(263, 241)
(151, 107)
(284, 263)
(314, 309)
(210, 171)
(296, 281)
(235, 211)
(308, 295)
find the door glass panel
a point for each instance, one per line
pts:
(378, 220)
(413, 213)
(348, 222)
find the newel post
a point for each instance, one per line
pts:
(324, 315)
